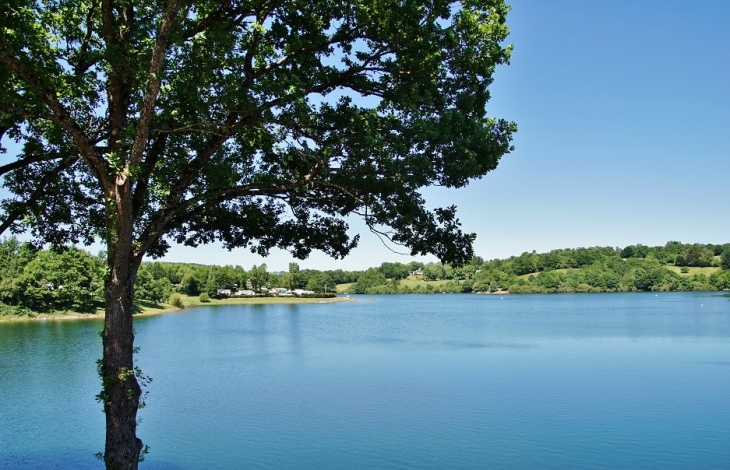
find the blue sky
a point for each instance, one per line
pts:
(623, 110)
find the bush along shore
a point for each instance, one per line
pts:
(44, 282)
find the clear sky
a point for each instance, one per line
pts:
(623, 110)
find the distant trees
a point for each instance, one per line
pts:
(370, 278)
(635, 251)
(151, 283)
(647, 279)
(395, 270)
(725, 259)
(258, 276)
(46, 280)
(696, 256)
(526, 263)
(597, 269)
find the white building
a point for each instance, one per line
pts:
(300, 292)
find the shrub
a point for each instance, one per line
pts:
(684, 269)
(319, 295)
(176, 301)
(204, 297)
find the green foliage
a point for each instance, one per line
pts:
(524, 264)
(320, 282)
(647, 280)
(47, 280)
(258, 276)
(369, 279)
(190, 284)
(176, 301)
(599, 269)
(319, 295)
(607, 272)
(237, 122)
(720, 280)
(395, 270)
(725, 259)
(204, 297)
(259, 124)
(696, 256)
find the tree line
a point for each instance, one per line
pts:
(34, 280)
(598, 269)
(47, 280)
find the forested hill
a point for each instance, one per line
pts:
(674, 266)
(33, 280)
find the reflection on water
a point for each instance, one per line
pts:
(439, 381)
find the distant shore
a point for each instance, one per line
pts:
(148, 309)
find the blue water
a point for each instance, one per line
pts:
(422, 381)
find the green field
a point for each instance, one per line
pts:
(410, 281)
(706, 271)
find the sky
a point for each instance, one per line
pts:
(623, 114)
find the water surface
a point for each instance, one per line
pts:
(420, 381)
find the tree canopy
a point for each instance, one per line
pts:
(258, 123)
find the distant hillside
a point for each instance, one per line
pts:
(672, 267)
(44, 281)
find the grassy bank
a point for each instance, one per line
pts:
(410, 281)
(146, 308)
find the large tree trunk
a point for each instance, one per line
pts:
(121, 391)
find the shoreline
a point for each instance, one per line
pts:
(164, 309)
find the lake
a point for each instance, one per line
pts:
(395, 382)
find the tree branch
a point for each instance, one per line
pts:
(25, 162)
(140, 189)
(118, 84)
(60, 116)
(40, 191)
(24, 113)
(153, 83)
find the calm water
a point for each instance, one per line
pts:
(440, 381)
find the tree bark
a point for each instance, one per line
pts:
(121, 390)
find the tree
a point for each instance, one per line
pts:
(394, 270)
(67, 280)
(293, 276)
(258, 276)
(524, 264)
(695, 255)
(261, 124)
(320, 282)
(725, 259)
(190, 284)
(647, 279)
(367, 280)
